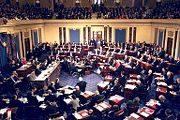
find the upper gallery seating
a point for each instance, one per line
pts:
(167, 10)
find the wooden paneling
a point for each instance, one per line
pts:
(127, 3)
(109, 3)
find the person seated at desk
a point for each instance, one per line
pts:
(33, 63)
(138, 55)
(43, 92)
(155, 62)
(175, 91)
(51, 108)
(44, 64)
(113, 87)
(49, 59)
(75, 102)
(82, 85)
(126, 59)
(169, 79)
(38, 70)
(13, 65)
(137, 68)
(32, 100)
(116, 68)
(23, 61)
(62, 106)
(131, 62)
(170, 115)
(32, 76)
(150, 60)
(14, 78)
(148, 79)
(160, 65)
(14, 102)
(133, 105)
(122, 79)
(95, 99)
(164, 105)
(161, 53)
(77, 91)
(115, 108)
(92, 115)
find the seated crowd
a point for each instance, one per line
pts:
(167, 10)
(137, 73)
(24, 12)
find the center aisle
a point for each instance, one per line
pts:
(92, 81)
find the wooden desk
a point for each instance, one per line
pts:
(24, 70)
(129, 90)
(108, 78)
(133, 76)
(146, 112)
(103, 106)
(83, 114)
(51, 73)
(119, 56)
(116, 99)
(88, 94)
(102, 85)
(152, 103)
(161, 90)
(134, 116)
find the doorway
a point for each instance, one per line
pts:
(97, 35)
(169, 46)
(27, 45)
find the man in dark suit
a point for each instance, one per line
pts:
(82, 85)
(137, 68)
(77, 92)
(38, 70)
(32, 100)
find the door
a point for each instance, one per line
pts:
(120, 35)
(27, 45)
(160, 39)
(169, 46)
(97, 35)
(75, 36)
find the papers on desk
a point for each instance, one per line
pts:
(158, 74)
(46, 73)
(43, 106)
(103, 105)
(116, 97)
(23, 67)
(162, 83)
(67, 101)
(129, 86)
(77, 115)
(134, 115)
(39, 98)
(144, 114)
(2, 111)
(23, 100)
(103, 84)
(84, 114)
(99, 108)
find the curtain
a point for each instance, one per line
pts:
(3, 58)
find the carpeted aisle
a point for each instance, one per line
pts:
(92, 81)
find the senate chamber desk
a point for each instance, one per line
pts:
(47, 76)
(24, 70)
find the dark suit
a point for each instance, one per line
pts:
(82, 85)
(37, 72)
(137, 68)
